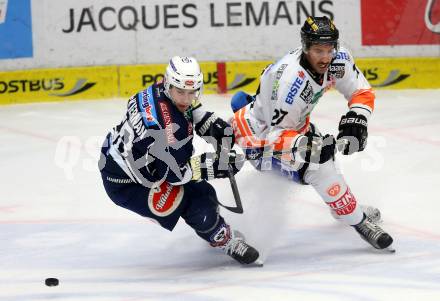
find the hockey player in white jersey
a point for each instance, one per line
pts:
(276, 121)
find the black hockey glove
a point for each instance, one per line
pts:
(216, 131)
(353, 128)
(210, 166)
(314, 149)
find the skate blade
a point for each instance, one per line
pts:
(256, 264)
(388, 250)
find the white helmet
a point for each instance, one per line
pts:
(184, 73)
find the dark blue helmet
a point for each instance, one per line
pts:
(319, 30)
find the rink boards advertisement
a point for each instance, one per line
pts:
(91, 49)
(58, 84)
(384, 22)
(397, 73)
(67, 84)
(137, 77)
(69, 33)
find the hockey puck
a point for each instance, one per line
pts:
(51, 281)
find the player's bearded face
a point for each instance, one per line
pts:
(182, 98)
(320, 57)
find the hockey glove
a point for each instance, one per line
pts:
(353, 128)
(314, 149)
(216, 131)
(210, 166)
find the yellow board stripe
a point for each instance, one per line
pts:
(82, 83)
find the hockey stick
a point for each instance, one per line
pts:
(270, 153)
(238, 206)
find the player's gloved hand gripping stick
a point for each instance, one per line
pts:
(223, 164)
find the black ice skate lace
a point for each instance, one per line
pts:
(370, 231)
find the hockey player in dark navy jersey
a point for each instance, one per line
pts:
(147, 163)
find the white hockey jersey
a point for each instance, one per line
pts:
(288, 95)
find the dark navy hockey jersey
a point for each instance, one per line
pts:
(153, 142)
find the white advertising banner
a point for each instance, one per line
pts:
(113, 32)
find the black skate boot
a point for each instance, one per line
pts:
(373, 234)
(238, 249)
(233, 244)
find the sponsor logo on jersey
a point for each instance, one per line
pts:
(221, 236)
(345, 204)
(147, 107)
(294, 88)
(164, 199)
(276, 83)
(167, 122)
(334, 190)
(337, 70)
(307, 93)
(317, 96)
(148, 110)
(342, 56)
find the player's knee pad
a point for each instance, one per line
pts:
(240, 100)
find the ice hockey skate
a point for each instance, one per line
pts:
(232, 242)
(373, 234)
(238, 249)
(371, 212)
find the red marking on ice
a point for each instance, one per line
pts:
(8, 209)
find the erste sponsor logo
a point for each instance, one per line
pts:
(294, 88)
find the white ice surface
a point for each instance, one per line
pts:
(57, 221)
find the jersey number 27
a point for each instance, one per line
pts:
(278, 116)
